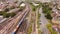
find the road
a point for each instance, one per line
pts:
(43, 22)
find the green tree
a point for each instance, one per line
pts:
(47, 11)
(48, 16)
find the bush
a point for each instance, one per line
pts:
(15, 1)
(2, 12)
(6, 15)
(30, 29)
(6, 10)
(11, 7)
(49, 26)
(40, 5)
(12, 14)
(47, 10)
(33, 7)
(48, 16)
(39, 15)
(39, 32)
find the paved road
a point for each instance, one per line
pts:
(43, 23)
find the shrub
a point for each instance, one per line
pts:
(48, 16)
(12, 14)
(2, 12)
(6, 10)
(47, 10)
(49, 26)
(6, 15)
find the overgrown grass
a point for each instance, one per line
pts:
(39, 31)
(35, 7)
(40, 5)
(49, 26)
(39, 15)
(30, 29)
(38, 24)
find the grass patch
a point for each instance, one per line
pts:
(40, 5)
(39, 15)
(30, 29)
(39, 31)
(49, 26)
(38, 24)
(33, 7)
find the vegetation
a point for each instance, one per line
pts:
(12, 7)
(39, 32)
(2, 12)
(38, 20)
(30, 29)
(12, 14)
(39, 15)
(7, 15)
(33, 7)
(38, 24)
(6, 10)
(16, 1)
(47, 11)
(49, 26)
(48, 16)
(40, 5)
(21, 8)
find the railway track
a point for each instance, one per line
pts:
(4, 23)
(19, 23)
(12, 23)
(22, 27)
